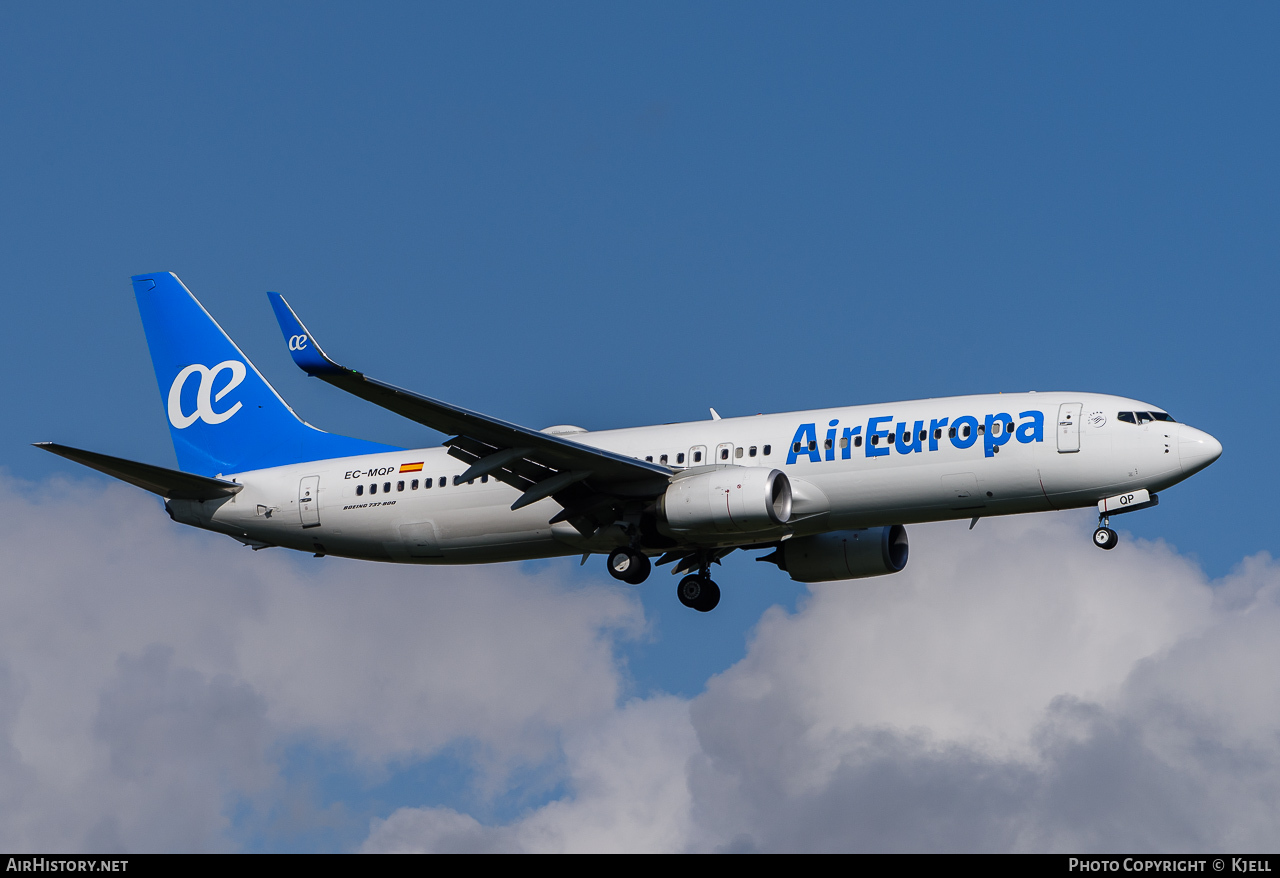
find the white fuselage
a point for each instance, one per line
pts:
(1067, 450)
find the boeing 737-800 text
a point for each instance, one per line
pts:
(825, 492)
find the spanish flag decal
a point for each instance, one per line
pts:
(411, 467)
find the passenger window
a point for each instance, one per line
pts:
(813, 444)
(724, 453)
(413, 486)
(426, 483)
(951, 433)
(875, 438)
(1008, 427)
(844, 441)
(359, 490)
(982, 428)
(826, 443)
(373, 489)
(937, 434)
(680, 457)
(697, 457)
(1127, 417)
(484, 479)
(752, 452)
(967, 431)
(857, 441)
(662, 459)
(767, 449)
(457, 480)
(442, 481)
(649, 459)
(738, 451)
(399, 486)
(796, 448)
(386, 487)
(924, 434)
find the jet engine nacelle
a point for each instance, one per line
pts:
(727, 500)
(843, 554)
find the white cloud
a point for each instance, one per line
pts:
(147, 671)
(630, 793)
(1013, 689)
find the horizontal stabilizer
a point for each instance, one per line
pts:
(168, 483)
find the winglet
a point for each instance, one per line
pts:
(303, 347)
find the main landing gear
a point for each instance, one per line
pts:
(629, 566)
(1104, 537)
(695, 591)
(698, 592)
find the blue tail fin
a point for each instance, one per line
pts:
(223, 415)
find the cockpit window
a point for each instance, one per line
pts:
(1144, 417)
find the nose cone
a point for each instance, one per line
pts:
(1196, 449)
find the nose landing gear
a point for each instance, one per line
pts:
(1104, 537)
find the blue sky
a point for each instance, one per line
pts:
(610, 215)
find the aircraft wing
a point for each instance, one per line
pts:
(168, 483)
(582, 479)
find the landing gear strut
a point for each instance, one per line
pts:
(629, 566)
(1104, 537)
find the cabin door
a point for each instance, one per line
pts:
(309, 501)
(1069, 427)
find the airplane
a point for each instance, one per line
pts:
(826, 493)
